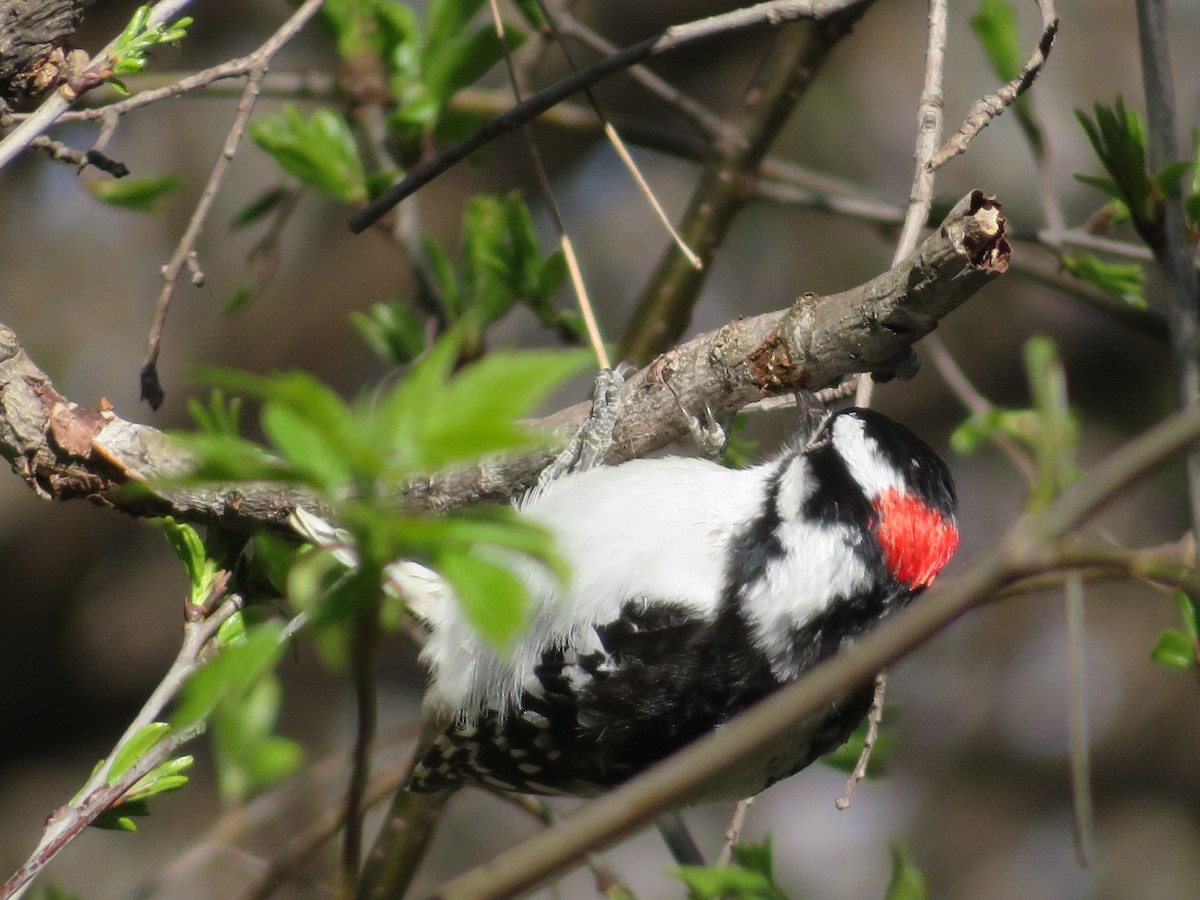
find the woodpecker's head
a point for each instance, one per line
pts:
(908, 487)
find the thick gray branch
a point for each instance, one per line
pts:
(30, 30)
(66, 451)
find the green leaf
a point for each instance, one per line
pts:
(1189, 612)
(249, 757)
(162, 779)
(1118, 138)
(202, 570)
(1175, 649)
(531, 13)
(319, 151)
(266, 202)
(755, 857)
(995, 27)
(1058, 433)
(907, 881)
(493, 598)
(476, 412)
(135, 748)
(442, 270)
(318, 455)
(446, 20)
(1170, 176)
(117, 818)
(460, 61)
(1107, 185)
(722, 882)
(220, 416)
(1125, 280)
(229, 676)
(139, 194)
(394, 331)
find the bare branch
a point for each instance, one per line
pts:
(989, 107)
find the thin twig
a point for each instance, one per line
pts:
(97, 795)
(874, 720)
(614, 138)
(151, 387)
(761, 15)
(60, 101)
(565, 243)
(79, 158)
(230, 828)
(1174, 278)
(301, 846)
(1081, 766)
(734, 830)
(929, 133)
(989, 107)
(703, 119)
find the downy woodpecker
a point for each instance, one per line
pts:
(695, 591)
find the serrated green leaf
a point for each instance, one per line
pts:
(907, 881)
(1175, 649)
(135, 748)
(494, 599)
(139, 194)
(319, 151)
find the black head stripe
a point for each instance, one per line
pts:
(922, 469)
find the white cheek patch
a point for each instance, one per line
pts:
(819, 568)
(863, 458)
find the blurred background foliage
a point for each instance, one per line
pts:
(978, 786)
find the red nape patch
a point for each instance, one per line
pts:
(917, 541)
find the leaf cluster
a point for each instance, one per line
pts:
(500, 266)
(1118, 138)
(130, 52)
(424, 64)
(356, 457)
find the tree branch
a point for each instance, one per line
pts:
(66, 451)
